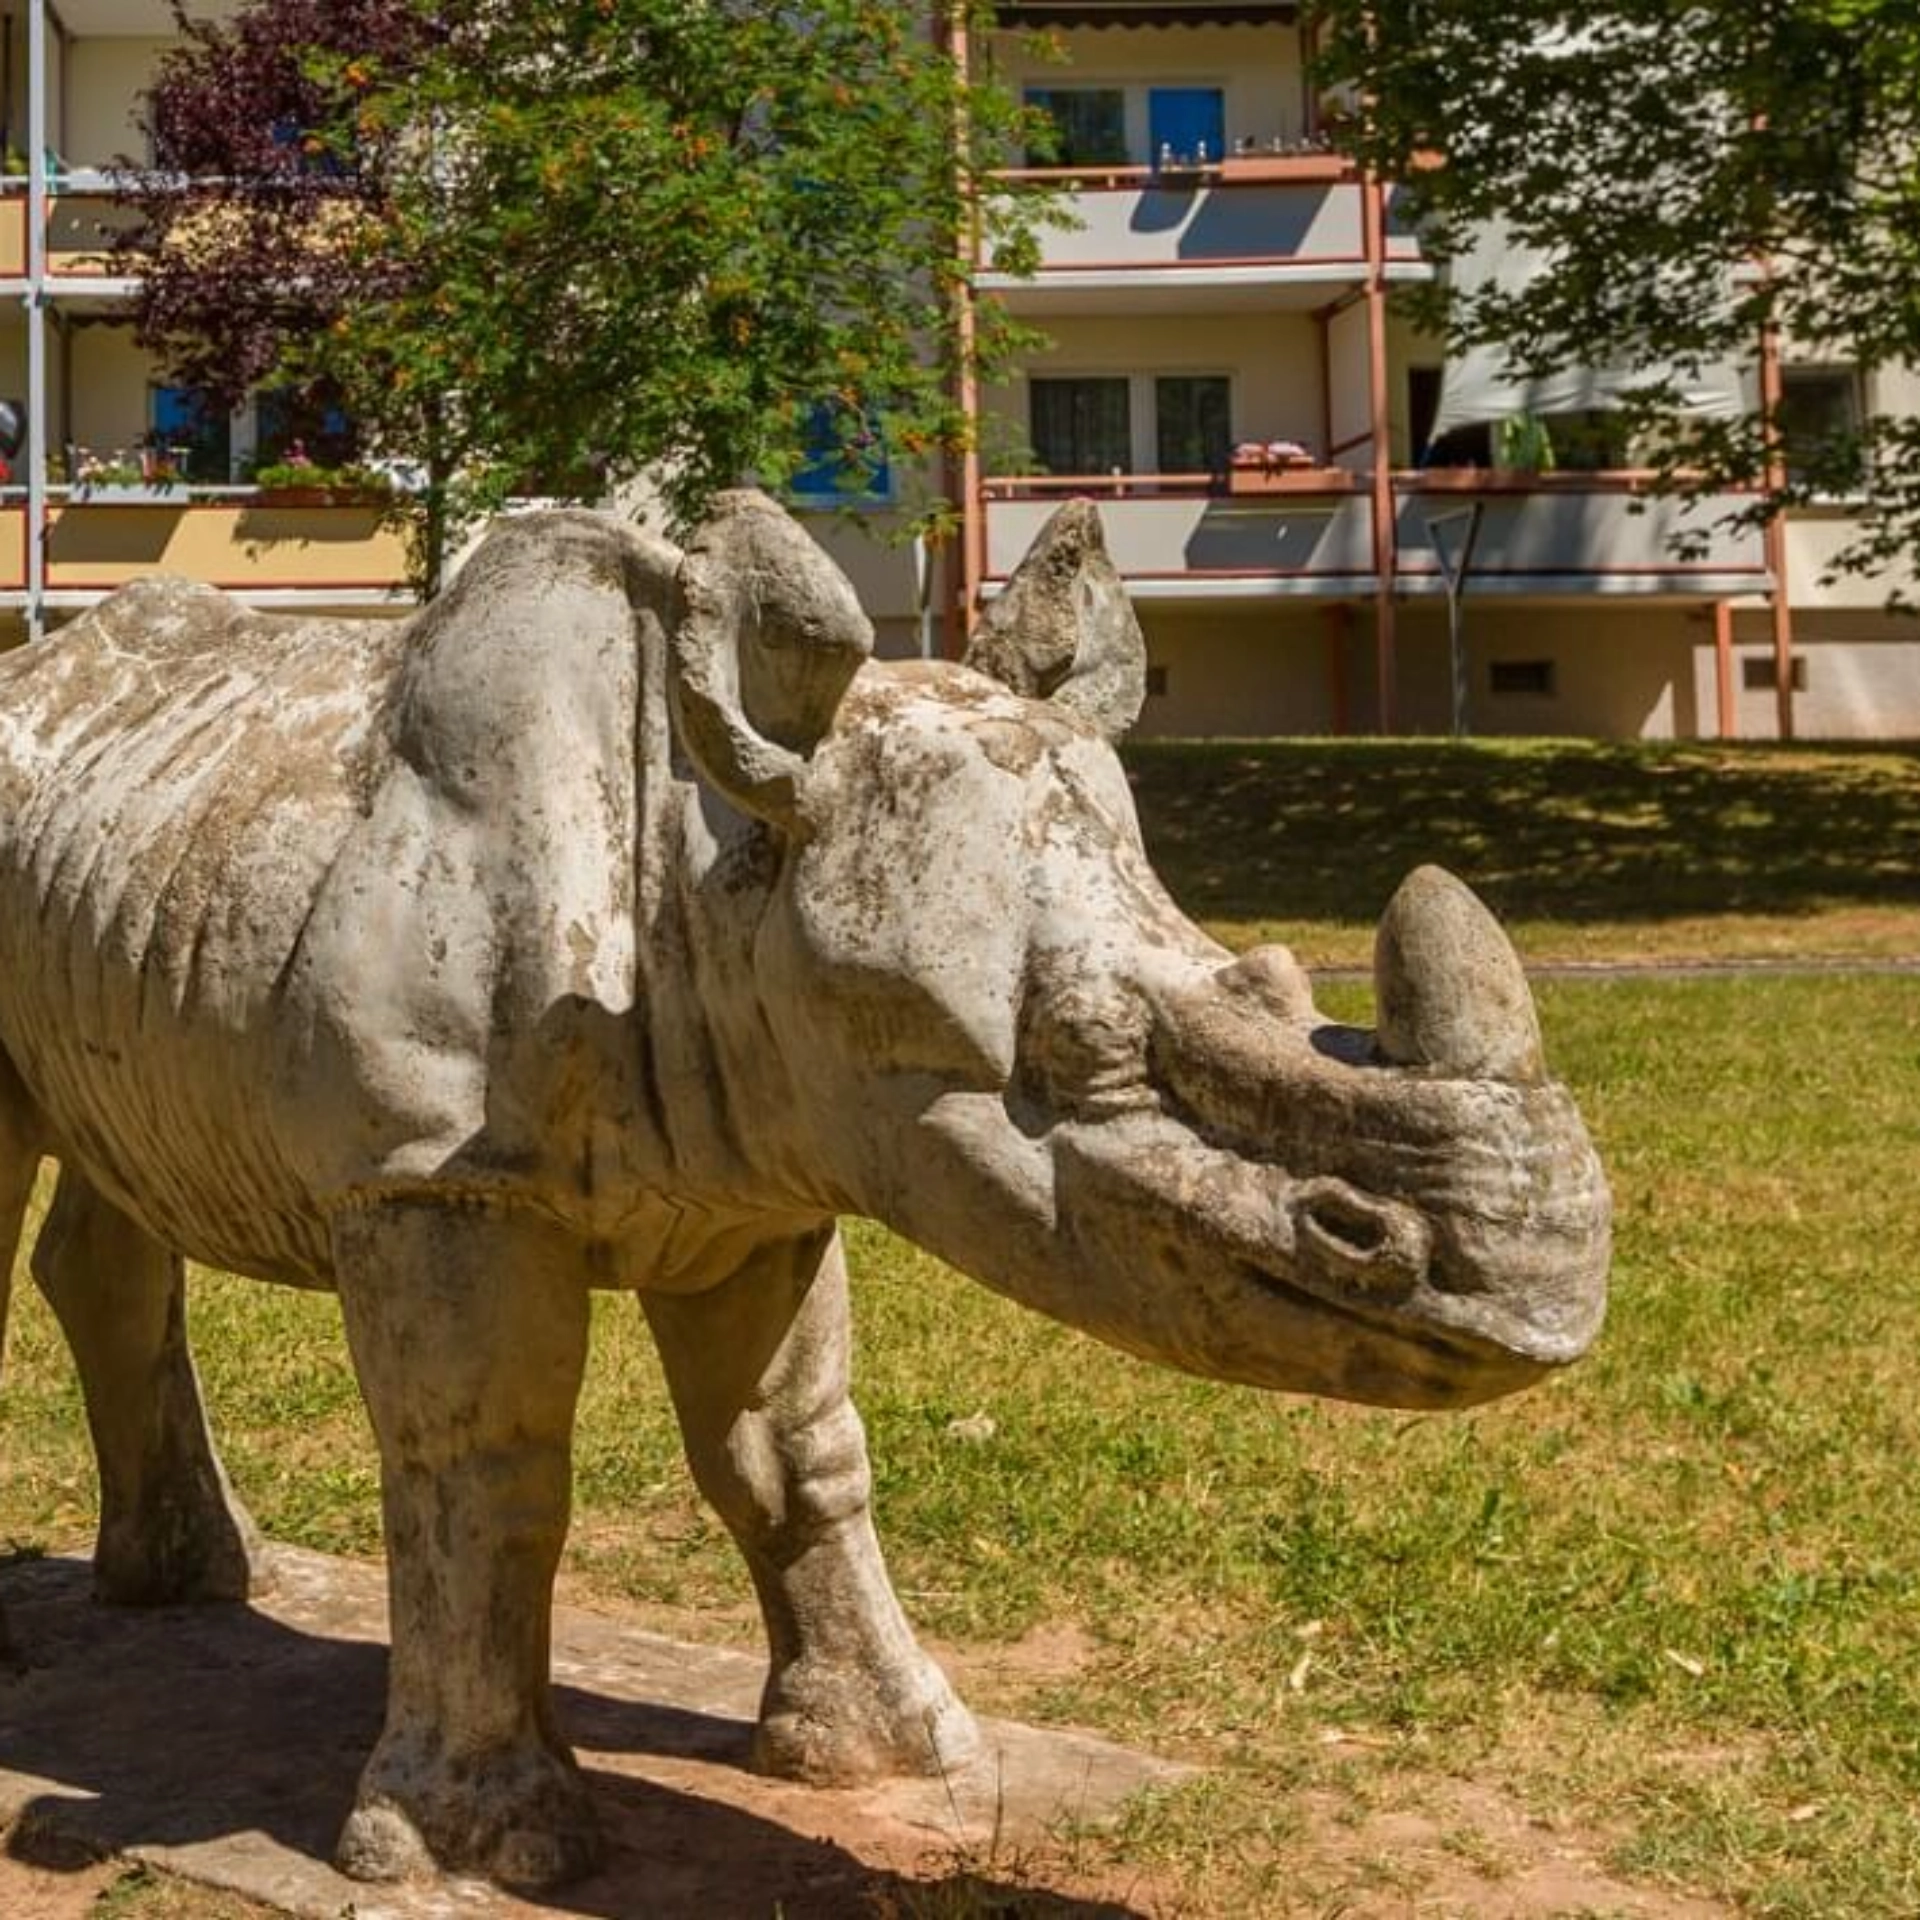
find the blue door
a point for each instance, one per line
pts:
(1186, 124)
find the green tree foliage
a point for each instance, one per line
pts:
(570, 242)
(1698, 173)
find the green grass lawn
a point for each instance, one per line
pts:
(1670, 1599)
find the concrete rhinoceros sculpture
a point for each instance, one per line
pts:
(614, 922)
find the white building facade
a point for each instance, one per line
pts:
(1227, 378)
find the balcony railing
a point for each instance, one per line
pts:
(1295, 212)
(1170, 528)
(1578, 532)
(1312, 532)
(81, 224)
(245, 544)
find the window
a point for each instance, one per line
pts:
(1820, 414)
(1521, 676)
(1591, 441)
(183, 425)
(1759, 673)
(1192, 423)
(1089, 126)
(1186, 125)
(845, 460)
(1423, 408)
(1082, 426)
(284, 417)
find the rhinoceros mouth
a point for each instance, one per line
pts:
(1460, 1351)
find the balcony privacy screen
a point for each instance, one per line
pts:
(1481, 387)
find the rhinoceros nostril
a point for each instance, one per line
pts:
(1374, 1248)
(1357, 1228)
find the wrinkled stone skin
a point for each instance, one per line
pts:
(615, 922)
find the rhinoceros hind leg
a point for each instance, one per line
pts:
(171, 1528)
(758, 1369)
(468, 1328)
(19, 1163)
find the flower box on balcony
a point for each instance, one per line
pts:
(321, 496)
(128, 493)
(1248, 480)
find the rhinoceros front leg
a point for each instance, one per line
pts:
(170, 1526)
(758, 1369)
(468, 1328)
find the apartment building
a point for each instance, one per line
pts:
(120, 474)
(1228, 377)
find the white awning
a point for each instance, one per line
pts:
(1481, 386)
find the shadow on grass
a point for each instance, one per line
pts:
(1557, 830)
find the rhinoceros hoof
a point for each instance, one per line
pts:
(180, 1557)
(833, 1726)
(523, 1819)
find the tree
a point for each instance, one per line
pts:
(559, 246)
(1697, 176)
(248, 250)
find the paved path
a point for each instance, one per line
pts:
(222, 1744)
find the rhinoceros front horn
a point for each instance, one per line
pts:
(1449, 991)
(766, 637)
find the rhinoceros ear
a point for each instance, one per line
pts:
(767, 634)
(1064, 628)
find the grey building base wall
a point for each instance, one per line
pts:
(1246, 671)
(1621, 670)
(1862, 675)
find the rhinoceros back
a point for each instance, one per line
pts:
(177, 775)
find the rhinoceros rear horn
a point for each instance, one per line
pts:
(767, 636)
(1449, 990)
(1064, 628)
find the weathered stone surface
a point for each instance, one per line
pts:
(1064, 630)
(610, 923)
(221, 1743)
(1448, 988)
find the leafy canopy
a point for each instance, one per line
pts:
(1698, 173)
(553, 246)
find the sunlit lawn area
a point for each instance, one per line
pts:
(1670, 1601)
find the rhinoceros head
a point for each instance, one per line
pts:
(1022, 1055)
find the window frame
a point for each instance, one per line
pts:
(1136, 114)
(1844, 374)
(1143, 431)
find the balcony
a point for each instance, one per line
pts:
(1197, 537)
(1254, 233)
(1183, 536)
(80, 225)
(1577, 533)
(241, 543)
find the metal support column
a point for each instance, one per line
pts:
(1723, 669)
(36, 315)
(1385, 543)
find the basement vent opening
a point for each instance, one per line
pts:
(1758, 675)
(1520, 676)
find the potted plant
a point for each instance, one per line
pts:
(120, 475)
(301, 481)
